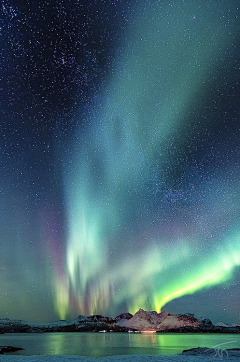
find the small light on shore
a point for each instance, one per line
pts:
(148, 331)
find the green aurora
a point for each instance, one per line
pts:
(119, 248)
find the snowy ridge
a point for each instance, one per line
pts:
(143, 320)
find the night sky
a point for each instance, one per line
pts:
(120, 158)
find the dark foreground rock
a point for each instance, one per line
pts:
(213, 352)
(5, 349)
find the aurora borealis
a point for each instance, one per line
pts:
(120, 183)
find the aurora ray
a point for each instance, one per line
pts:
(137, 210)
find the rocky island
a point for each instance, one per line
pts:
(141, 321)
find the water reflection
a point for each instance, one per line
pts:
(55, 344)
(107, 344)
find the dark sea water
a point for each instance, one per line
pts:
(108, 344)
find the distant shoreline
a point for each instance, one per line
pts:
(225, 330)
(141, 321)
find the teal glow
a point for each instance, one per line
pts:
(119, 251)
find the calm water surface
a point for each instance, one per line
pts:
(107, 344)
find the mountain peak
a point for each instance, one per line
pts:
(151, 320)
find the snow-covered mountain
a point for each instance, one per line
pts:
(221, 324)
(8, 325)
(143, 320)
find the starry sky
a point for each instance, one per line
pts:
(120, 158)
